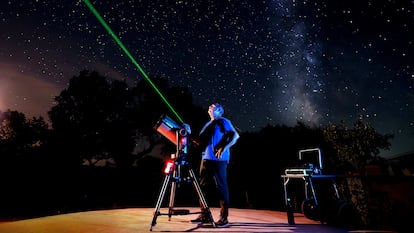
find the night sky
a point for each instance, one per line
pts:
(268, 62)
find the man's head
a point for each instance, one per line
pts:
(215, 110)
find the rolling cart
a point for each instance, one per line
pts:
(319, 195)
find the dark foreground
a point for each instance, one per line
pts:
(137, 220)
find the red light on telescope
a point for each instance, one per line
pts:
(183, 140)
(168, 166)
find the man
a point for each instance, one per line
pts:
(217, 136)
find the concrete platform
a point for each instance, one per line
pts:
(137, 220)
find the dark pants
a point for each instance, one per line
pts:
(215, 173)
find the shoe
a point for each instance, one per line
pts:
(222, 223)
(200, 219)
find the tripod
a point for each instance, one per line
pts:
(173, 177)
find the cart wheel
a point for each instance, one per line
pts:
(310, 209)
(346, 214)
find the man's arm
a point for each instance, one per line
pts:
(229, 139)
(233, 140)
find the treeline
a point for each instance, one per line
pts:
(101, 150)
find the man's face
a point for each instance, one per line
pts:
(213, 111)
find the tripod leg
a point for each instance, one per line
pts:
(160, 199)
(172, 198)
(201, 195)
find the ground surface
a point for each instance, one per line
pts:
(137, 220)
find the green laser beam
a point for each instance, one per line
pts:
(125, 50)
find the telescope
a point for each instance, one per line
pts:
(172, 131)
(169, 129)
(179, 135)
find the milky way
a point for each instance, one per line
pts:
(268, 62)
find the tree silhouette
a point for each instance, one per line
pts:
(356, 147)
(79, 117)
(96, 120)
(20, 137)
(24, 162)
